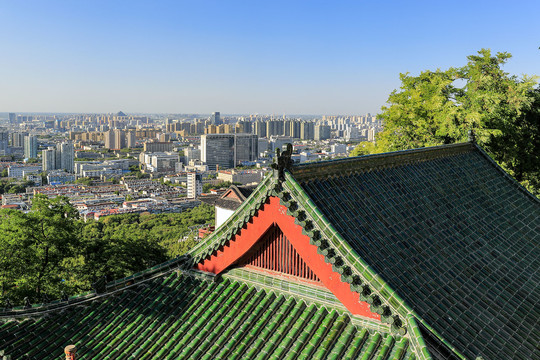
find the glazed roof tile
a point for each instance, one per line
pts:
(186, 317)
(451, 233)
(442, 236)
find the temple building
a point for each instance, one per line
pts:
(430, 253)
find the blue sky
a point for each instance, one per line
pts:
(267, 57)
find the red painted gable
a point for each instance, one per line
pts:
(271, 214)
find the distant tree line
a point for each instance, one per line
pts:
(49, 250)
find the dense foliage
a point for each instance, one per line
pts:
(222, 185)
(13, 186)
(364, 148)
(50, 250)
(440, 107)
(84, 181)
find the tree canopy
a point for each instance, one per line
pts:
(364, 148)
(13, 186)
(49, 250)
(441, 106)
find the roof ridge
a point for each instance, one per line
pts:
(308, 171)
(238, 192)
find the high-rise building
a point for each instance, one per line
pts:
(164, 137)
(30, 146)
(293, 129)
(279, 142)
(225, 151)
(274, 127)
(260, 129)
(48, 159)
(243, 127)
(65, 156)
(4, 142)
(215, 119)
(162, 162)
(246, 148)
(217, 150)
(57, 156)
(131, 140)
(371, 134)
(264, 145)
(115, 139)
(322, 132)
(108, 138)
(12, 118)
(194, 185)
(352, 133)
(17, 139)
(191, 153)
(119, 139)
(307, 130)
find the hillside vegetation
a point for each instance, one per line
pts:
(50, 251)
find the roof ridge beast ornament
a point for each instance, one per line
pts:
(282, 161)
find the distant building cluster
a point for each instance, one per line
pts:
(179, 154)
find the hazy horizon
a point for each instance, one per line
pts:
(281, 58)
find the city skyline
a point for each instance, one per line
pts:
(241, 58)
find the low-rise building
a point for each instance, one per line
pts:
(18, 170)
(157, 146)
(35, 178)
(60, 177)
(241, 176)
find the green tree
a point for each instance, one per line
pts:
(53, 232)
(222, 185)
(14, 251)
(4, 173)
(13, 186)
(114, 248)
(440, 107)
(50, 250)
(517, 146)
(33, 246)
(364, 148)
(422, 113)
(84, 180)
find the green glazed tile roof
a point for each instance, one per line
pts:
(454, 236)
(177, 316)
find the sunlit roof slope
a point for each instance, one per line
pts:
(450, 232)
(179, 316)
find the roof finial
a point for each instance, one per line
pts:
(71, 352)
(282, 161)
(472, 136)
